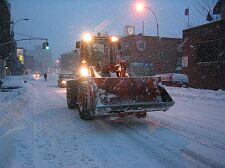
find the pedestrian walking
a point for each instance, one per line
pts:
(45, 76)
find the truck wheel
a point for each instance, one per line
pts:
(71, 94)
(83, 109)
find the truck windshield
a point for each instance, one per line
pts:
(99, 52)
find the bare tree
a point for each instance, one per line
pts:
(205, 7)
(69, 61)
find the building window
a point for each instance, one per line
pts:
(221, 50)
(1, 34)
(211, 51)
(1, 52)
(126, 46)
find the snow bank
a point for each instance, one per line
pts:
(196, 93)
(198, 116)
(13, 81)
(9, 97)
(11, 117)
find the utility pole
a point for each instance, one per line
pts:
(13, 46)
(143, 28)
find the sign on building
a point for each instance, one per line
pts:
(20, 55)
(141, 45)
(184, 62)
(129, 30)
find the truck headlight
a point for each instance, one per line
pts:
(63, 82)
(84, 71)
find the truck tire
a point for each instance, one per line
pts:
(83, 108)
(71, 94)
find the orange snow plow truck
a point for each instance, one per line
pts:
(104, 87)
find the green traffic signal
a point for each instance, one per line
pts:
(45, 45)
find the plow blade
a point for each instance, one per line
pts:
(109, 96)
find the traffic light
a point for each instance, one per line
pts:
(45, 45)
(78, 44)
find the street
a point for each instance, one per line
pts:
(47, 134)
(148, 78)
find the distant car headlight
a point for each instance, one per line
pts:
(63, 82)
(36, 75)
(84, 71)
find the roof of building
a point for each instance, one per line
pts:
(165, 38)
(206, 25)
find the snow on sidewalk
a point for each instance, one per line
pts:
(11, 103)
(199, 116)
(201, 94)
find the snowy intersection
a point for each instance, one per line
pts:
(37, 130)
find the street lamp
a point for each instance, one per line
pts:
(13, 44)
(14, 23)
(140, 7)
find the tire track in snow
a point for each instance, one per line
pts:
(162, 144)
(207, 161)
(54, 144)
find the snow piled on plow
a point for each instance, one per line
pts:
(102, 95)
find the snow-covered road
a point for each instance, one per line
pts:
(43, 133)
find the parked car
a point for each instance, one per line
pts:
(63, 78)
(174, 79)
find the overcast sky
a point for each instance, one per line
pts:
(63, 21)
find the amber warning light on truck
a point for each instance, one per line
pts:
(87, 37)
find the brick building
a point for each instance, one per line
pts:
(148, 55)
(4, 34)
(204, 55)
